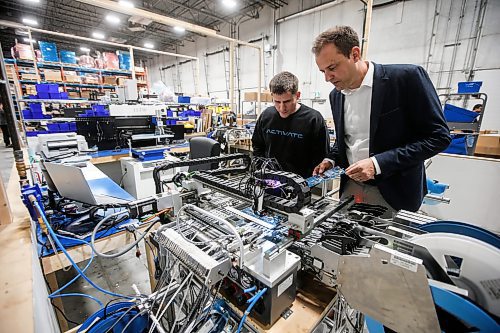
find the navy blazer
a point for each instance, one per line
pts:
(407, 127)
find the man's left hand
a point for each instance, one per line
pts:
(361, 171)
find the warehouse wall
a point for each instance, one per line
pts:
(401, 32)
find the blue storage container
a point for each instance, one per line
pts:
(64, 127)
(170, 113)
(36, 107)
(55, 95)
(72, 126)
(64, 95)
(197, 113)
(47, 116)
(68, 57)
(37, 115)
(469, 87)
(32, 97)
(184, 99)
(98, 107)
(43, 95)
(457, 145)
(27, 114)
(42, 88)
(53, 87)
(456, 114)
(49, 51)
(124, 60)
(53, 127)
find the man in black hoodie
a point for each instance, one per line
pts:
(292, 133)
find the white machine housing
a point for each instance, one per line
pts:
(50, 145)
(138, 175)
(120, 110)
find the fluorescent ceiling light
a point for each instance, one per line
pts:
(127, 4)
(30, 21)
(98, 35)
(149, 45)
(27, 40)
(229, 3)
(112, 19)
(179, 29)
(35, 1)
(84, 49)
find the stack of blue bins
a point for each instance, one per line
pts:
(96, 111)
(49, 91)
(61, 127)
(35, 112)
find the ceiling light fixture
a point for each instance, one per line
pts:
(127, 4)
(35, 1)
(229, 3)
(30, 21)
(149, 45)
(98, 35)
(112, 19)
(179, 29)
(84, 49)
(27, 40)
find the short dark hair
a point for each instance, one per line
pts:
(343, 37)
(284, 82)
(477, 106)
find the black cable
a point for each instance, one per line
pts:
(62, 313)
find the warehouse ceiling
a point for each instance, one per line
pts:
(74, 17)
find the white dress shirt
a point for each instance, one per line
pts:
(357, 111)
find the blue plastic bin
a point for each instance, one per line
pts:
(35, 107)
(43, 95)
(64, 95)
(64, 127)
(27, 114)
(55, 95)
(42, 88)
(49, 51)
(457, 146)
(68, 57)
(184, 99)
(37, 115)
(170, 113)
(469, 87)
(124, 60)
(53, 127)
(53, 88)
(456, 114)
(72, 126)
(98, 107)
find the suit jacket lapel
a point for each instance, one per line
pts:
(378, 92)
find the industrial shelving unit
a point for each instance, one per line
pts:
(26, 75)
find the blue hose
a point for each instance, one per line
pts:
(80, 272)
(249, 308)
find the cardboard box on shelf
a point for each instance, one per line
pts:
(73, 78)
(28, 76)
(265, 96)
(120, 80)
(91, 80)
(488, 145)
(85, 93)
(22, 51)
(52, 75)
(111, 80)
(73, 94)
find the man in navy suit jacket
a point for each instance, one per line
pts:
(388, 121)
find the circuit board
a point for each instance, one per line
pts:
(328, 174)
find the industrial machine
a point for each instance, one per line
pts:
(239, 242)
(59, 144)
